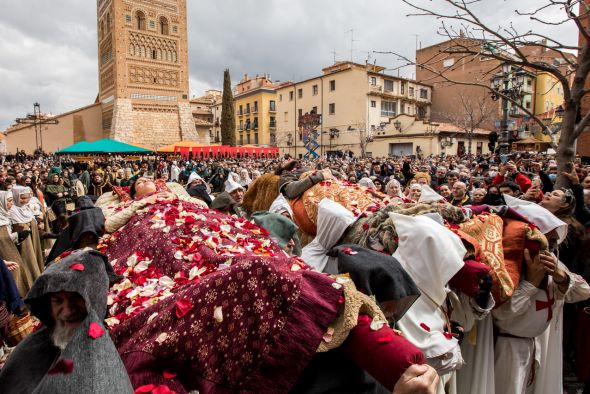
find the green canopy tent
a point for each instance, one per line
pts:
(105, 145)
(80, 147)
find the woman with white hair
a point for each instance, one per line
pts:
(244, 180)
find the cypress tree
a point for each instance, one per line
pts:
(228, 119)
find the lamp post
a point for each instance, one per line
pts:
(38, 120)
(506, 85)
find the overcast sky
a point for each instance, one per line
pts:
(48, 49)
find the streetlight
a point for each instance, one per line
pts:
(507, 85)
(398, 125)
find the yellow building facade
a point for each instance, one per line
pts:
(548, 97)
(255, 109)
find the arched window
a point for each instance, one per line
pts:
(108, 24)
(140, 20)
(163, 26)
(101, 30)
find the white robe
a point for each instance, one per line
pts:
(525, 316)
(549, 344)
(477, 348)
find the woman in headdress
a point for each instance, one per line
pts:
(23, 219)
(8, 241)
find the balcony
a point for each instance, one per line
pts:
(272, 108)
(273, 125)
(376, 88)
(255, 110)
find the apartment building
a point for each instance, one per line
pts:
(357, 103)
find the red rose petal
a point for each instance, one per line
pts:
(448, 335)
(144, 389)
(385, 338)
(95, 330)
(168, 375)
(63, 366)
(365, 226)
(364, 320)
(77, 267)
(163, 389)
(182, 307)
(425, 327)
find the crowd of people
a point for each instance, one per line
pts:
(436, 274)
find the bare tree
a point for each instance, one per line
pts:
(473, 114)
(470, 37)
(364, 136)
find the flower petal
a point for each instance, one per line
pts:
(218, 314)
(183, 306)
(95, 330)
(168, 375)
(77, 267)
(144, 389)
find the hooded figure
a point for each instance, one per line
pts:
(87, 361)
(280, 205)
(431, 254)
(280, 228)
(429, 195)
(199, 190)
(380, 275)
(333, 220)
(88, 222)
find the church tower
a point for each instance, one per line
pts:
(143, 72)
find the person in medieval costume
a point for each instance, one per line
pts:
(22, 218)
(8, 243)
(281, 229)
(431, 255)
(72, 352)
(197, 188)
(530, 324)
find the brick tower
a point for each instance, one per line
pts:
(143, 72)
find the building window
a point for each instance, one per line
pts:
(527, 105)
(314, 110)
(247, 108)
(255, 124)
(255, 110)
(241, 139)
(273, 122)
(241, 112)
(402, 88)
(314, 90)
(411, 92)
(332, 108)
(154, 56)
(127, 18)
(152, 25)
(423, 93)
(529, 82)
(300, 112)
(255, 138)
(290, 96)
(140, 20)
(164, 26)
(174, 29)
(241, 125)
(421, 112)
(402, 108)
(388, 85)
(286, 118)
(479, 149)
(273, 105)
(373, 104)
(248, 138)
(299, 93)
(373, 81)
(247, 124)
(280, 97)
(332, 85)
(388, 108)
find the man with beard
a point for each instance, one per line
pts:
(72, 352)
(99, 185)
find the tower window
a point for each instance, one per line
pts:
(154, 54)
(140, 20)
(164, 26)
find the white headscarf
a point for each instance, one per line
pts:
(231, 185)
(244, 180)
(430, 253)
(429, 195)
(399, 188)
(539, 216)
(20, 213)
(280, 204)
(333, 219)
(4, 213)
(194, 177)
